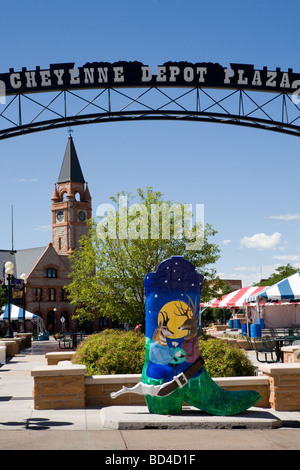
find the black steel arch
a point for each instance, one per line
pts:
(29, 110)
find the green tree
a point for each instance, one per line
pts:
(107, 277)
(282, 272)
(213, 315)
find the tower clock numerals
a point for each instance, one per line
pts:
(81, 216)
(60, 216)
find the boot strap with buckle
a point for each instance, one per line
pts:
(181, 379)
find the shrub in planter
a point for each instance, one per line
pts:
(121, 352)
(224, 360)
(112, 352)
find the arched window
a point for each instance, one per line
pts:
(50, 272)
(51, 322)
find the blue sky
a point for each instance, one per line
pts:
(247, 179)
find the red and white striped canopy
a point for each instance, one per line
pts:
(235, 298)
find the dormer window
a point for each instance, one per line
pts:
(50, 272)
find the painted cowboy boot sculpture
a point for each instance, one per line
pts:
(173, 371)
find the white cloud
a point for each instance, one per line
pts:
(225, 242)
(24, 180)
(248, 276)
(286, 217)
(244, 268)
(43, 227)
(261, 241)
(287, 258)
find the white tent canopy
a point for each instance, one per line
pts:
(235, 299)
(287, 292)
(16, 314)
(287, 289)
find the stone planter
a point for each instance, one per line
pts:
(60, 386)
(284, 385)
(2, 352)
(28, 338)
(221, 327)
(225, 340)
(233, 342)
(291, 353)
(12, 347)
(243, 344)
(238, 342)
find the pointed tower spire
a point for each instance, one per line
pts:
(87, 195)
(70, 169)
(55, 196)
(71, 204)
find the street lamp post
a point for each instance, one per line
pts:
(24, 279)
(54, 319)
(9, 269)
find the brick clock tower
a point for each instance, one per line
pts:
(71, 204)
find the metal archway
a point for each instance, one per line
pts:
(127, 91)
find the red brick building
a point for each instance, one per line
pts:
(47, 268)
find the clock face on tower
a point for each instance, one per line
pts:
(60, 216)
(81, 216)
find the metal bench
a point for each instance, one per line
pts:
(264, 347)
(71, 340)
(281, 332)
(65, 343)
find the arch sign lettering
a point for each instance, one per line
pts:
(135, 74)
(198, 87)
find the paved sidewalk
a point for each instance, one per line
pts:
(23, 427)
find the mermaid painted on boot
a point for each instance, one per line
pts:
(174, 373)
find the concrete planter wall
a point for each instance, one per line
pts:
(2, 353)
(65, 385)
(96, 389)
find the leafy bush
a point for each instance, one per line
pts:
(112, 352)
(224, 360)
(121, 352)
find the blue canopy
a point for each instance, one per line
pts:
(287, 289)
(16, 313)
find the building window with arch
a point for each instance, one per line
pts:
(50, 272)
(51, 322)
